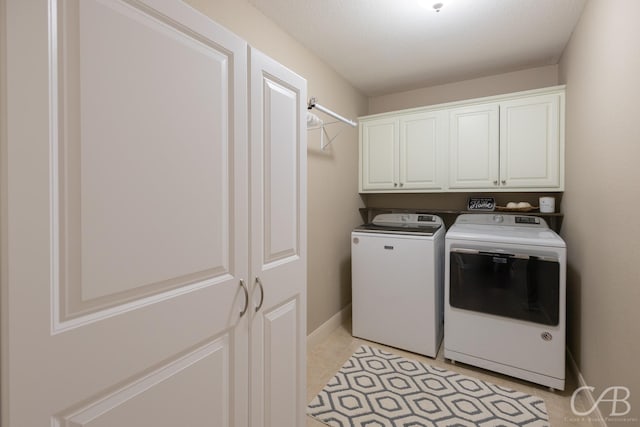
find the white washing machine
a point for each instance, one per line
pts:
(505, 296)
(397, 265)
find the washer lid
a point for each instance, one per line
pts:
(422, 230)
(403, 223)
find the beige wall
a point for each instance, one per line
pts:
(601, 68)
(532, 78)
(333, 199)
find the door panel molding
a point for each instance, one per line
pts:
(281, 354)
(280, 197)
(92, 276)
(215, 356)
(60, 325)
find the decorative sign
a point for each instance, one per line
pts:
(481, 204)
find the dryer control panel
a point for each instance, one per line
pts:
(528, 221)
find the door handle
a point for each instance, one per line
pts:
(246, 298)
(259, 282)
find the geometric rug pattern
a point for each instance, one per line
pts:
(375, 388)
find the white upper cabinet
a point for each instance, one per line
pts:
(403, 153)
(474, 147)
(530, 155)
(522, 153)
(509, 142)
(378, 150)
(422, 137)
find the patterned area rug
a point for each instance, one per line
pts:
(375, 388)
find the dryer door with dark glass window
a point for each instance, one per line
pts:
(509, 285)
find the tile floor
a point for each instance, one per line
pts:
(327, 357)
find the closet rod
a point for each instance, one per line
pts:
(314, 104)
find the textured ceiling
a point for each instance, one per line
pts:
(385, 46)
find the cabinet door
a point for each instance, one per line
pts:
(530, 149)
(278, 244)
(379, 151)
(474, 147)
(422, 141)
(124, 217)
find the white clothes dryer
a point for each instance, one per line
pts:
(505, 296)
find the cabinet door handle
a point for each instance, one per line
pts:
(395, 184)
(495, 182)
(504, 181)
(402, 184)
(246, 298)
(259, 282)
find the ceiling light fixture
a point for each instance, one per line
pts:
(437, 6)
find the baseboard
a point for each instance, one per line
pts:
(323, 331)
(596, 416)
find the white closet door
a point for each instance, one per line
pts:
(278, 244)
(125, 228)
